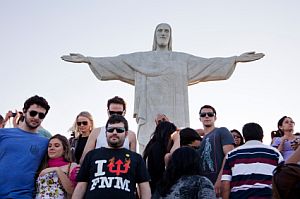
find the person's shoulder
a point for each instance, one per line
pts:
(223, 129)
(270, 147)
(95, 152)
(42, 139)
(43, 132)
(131, 132)
(131, 153)
(277, 139)
(224, 132)
(95, 132)
(4, 130)
(7, 131)
(131, 135)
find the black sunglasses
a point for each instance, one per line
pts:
(116, 112)
(34, 113)
(118, 129)
(84, 123)
(209, 114)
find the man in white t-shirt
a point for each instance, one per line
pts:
(97, 138)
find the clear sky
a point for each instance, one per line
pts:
(35, 34)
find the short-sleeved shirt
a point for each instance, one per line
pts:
(249, 168)
(21, 153)
(211, 152)
(112, 173)
(287, 148)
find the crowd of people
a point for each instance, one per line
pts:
(211, 162)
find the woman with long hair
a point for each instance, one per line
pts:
(57, 175)
(83, 126)
(237, 137)
(182, 177)
(156, 150)
(284, 143)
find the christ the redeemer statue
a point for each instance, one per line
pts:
(161, 78)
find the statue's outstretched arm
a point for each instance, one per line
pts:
(76, 58)
(249, 56)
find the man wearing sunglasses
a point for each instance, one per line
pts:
(216, 143)
(22, 150)
(113, 171)
(97, 138)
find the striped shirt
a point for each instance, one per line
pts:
(249, 168)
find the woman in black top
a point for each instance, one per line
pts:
(83, 127)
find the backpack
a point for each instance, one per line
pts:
(286, 181)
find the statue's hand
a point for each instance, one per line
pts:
(74, 57)
(249, 56)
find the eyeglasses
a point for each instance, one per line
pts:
(116, 112)
(84, 123)
(34, 113)
(234, 136)
(118, 129)
(209, 114)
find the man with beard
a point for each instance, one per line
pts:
(97, 138)
(21, 151)
(216, 143)
(113, 171)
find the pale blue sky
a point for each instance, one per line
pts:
(34, 34)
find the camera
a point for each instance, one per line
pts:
(295, 143)
(14, 114)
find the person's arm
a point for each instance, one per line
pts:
(176, 141)
(64, 179)
(132, 141)
(175, 137)
(16, 119)
(279, 143)
(226, 149)
(248, 57)
(91, 143)
(144, 190)
(225, 189)
(8, 115)
(295, 157)
(79, 190)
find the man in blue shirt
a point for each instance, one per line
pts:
(22, 150)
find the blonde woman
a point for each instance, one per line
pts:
(83, 126)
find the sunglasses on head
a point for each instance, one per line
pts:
(209, 114)
(116, 112)
(84, 123)
(118, 129)
(34, 113)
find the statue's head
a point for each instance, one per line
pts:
(162, 36)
